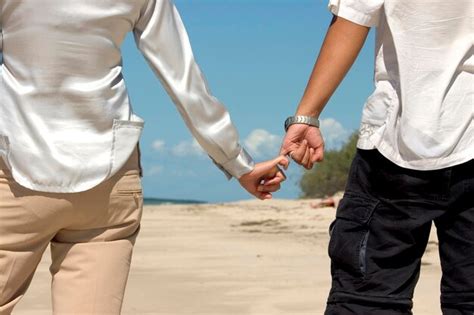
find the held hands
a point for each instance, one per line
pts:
(265, 178)
(304, 144)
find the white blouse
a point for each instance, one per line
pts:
(420, 115)
(66, 123)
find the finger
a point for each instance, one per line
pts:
(293, 137)
(319, 153)
(298, 154)
(284, 162)
(273, 178)
(279, 178)
(306, 157)
(288, 146)
(284, 150)
(310, 160)
(270, 168)
(257, 194)
(269, 188)
(263, 195)
(278, 175)
(314, 156)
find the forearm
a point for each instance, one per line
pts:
(340, 48)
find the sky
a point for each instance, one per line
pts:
(257, 56)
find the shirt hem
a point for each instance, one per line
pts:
(421, 165)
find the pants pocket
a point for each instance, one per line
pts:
(128, 192)
(350, 234)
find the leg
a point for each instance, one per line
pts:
(375, 257)
(378, 238)
(456, 245)
(28, 220)
(17, 265)
(91, 258)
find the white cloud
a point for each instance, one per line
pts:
(334, 133)
(154, 170)
(182, 149)
(261, 143)
(158, 145)
(187, 148)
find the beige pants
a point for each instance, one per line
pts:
(91, 234)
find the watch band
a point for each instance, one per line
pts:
(307, 120)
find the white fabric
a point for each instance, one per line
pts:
(65, 119)
(420, 115)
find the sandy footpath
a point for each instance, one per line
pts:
(249, 257)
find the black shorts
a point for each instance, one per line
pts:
(381, 231)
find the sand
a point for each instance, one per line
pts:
(245, 258)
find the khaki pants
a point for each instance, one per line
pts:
(91, 233)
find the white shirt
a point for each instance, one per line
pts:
(66, 123)
(420, 115)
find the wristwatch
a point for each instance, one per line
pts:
(307, 120)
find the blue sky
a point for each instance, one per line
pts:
(257, 56)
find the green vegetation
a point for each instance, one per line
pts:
(330, 176)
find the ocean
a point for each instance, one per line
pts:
(161, 201)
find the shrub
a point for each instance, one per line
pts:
(329, 176)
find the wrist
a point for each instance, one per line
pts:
(307, 108)
(308, 112)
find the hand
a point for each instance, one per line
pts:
(265, 178)
(304, 144)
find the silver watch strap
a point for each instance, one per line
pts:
(307, 120)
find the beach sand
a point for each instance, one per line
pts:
(245, 258)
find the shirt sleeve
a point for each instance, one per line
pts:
(162, 38)
(363, 12)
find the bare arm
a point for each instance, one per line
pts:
(340, 48)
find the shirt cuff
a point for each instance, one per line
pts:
(238, 166)
(353, 15)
